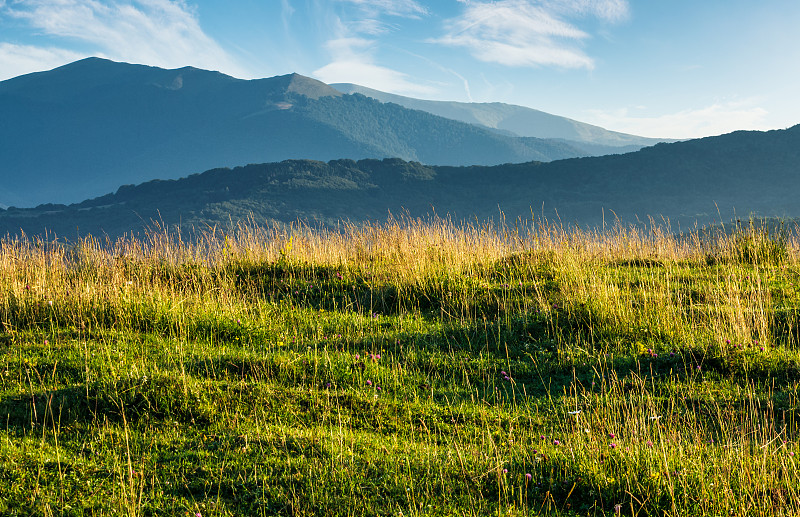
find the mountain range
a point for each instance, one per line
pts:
(83, 129)
(699, 181)
(512, 120)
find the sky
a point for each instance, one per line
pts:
(659, 68)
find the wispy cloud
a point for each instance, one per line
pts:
(353, 62)
(405, 8)
(286, 13)
(23, 59)
(716, 119)
(156, 32)
(355, 41)
(524, 33)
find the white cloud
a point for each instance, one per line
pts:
(354, 45)
(525, 33)
(353, 63)
(372, 76)
(155, 32)
(23, 59)
(716, 119)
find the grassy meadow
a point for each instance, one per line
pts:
(410, 368)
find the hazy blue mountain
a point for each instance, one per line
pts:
(711, 179)
(516, 120)
(83, 129)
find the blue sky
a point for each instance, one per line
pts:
(676, 68)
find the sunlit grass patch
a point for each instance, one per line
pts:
(414, 368)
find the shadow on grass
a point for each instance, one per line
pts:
(128, 400)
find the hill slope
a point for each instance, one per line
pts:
(695, 181)
(83, 129)
(517, 120)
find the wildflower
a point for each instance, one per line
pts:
(791, 454)
(503, 373)
(612, 445)
(727, 341)
(505, 471)
(556, 442)
(611, 435)
(528, 477)
(358, 357)
(649, 444)
(369, 382)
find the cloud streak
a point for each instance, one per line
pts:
(355, 43)
(353, 62)
(23, 59)
(527, 33)
(156, 32)
(403, 8)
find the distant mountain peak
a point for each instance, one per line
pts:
(311, 88)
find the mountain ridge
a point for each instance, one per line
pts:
(85, 128)
(693, 182)
(517, 120)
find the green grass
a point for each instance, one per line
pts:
(403, 369)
